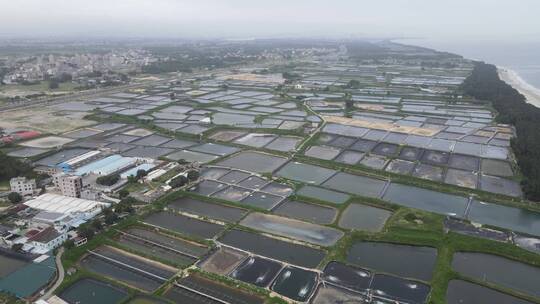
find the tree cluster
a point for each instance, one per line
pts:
(178, 181)
(110, 216)
(15, 197)
(484, 84)
(182, 180)
(108, 180)
(140, 174)
(11, 167)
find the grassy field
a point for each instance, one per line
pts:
(4, 185)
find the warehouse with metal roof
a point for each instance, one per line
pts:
(64, 204)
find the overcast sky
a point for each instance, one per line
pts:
(448, 19)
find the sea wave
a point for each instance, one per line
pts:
(513, 78)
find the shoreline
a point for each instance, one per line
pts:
(531, 93)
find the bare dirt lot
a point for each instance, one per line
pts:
(44, 119)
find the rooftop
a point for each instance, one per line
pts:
(63, 204)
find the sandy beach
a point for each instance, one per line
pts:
(531, 93)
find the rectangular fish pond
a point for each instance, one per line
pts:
(317, 214)
(184, 225)
(125, 267)
(91, 291)
(273, 248)
(499, 271)
(402, 260)
(463, 292)
(363, 217)
(323, 194)
(209, 287)
(307, 232)
(207, 209)
(295, 283)
(257, 271)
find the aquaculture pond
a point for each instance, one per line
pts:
(355, 184)
(330, 294)
(499, 271)
(146, 300)
(295, 283)
(347, 276)
(428, 200)
(305, 173)
(362, 217)
(402, 260)
(183, 224)
(223, 260)
(254, 162)
(394, 288)
(462, 292)
(219, 290)
(307, 212)
(273, 248)
(512, 218)
(10, 264)
(125, 267)
(206, 209)
(257, 271)
(323, 194)
(90, 291)
(181, 246)
(299, 230)
(153, 250)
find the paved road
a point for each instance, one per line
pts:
(60, 276)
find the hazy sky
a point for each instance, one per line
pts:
(467, 19)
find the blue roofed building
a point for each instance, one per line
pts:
(107, 165)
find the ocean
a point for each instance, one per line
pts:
(521, 57)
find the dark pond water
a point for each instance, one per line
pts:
(364, 217)
(90, 291)
(206, 209)
(515, 219)
(499, 271)
(273, 248)
(121, 273)
(462, 292)
(399, 289)
(257, 271)
(305, 173)
(308, 212)
(323, 194)
(184, 224)
(401, 260)
(427, 200)
(347, 276)
(356, 184)
(295, 283)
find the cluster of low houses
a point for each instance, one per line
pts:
(44, 222)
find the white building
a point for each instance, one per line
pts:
(22, 185)
(78, 209)
(46, 240)
(69, 185)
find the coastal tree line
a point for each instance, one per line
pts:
(484, 84)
